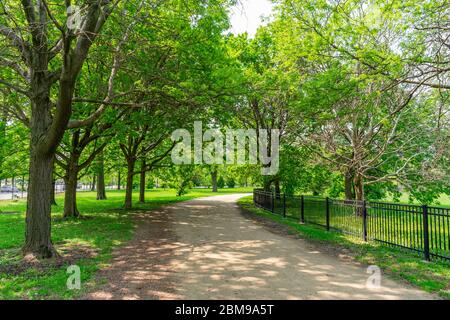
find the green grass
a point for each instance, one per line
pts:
(106, 226)
(430, 276)
(443, 200)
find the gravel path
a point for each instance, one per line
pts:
(207, 249)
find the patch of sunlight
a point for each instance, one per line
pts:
(75, 242)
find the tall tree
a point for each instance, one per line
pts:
(72, 159)
(100, 168)
(48, 57)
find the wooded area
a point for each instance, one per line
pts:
(358, 89)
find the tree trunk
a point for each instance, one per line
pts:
(94, 182)
(38, 216)
(47, 129)
(118, 180)
(142, 183)
(101, 189)
(70, 194)
(277, 189)
(53, 197)
(12, 190)
(214, 181)
(359, 190)
(359, 187)
(348, 185)
(129, 187)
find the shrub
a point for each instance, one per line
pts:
(220, 183)
(231, 183)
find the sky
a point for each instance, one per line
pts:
(246, 16)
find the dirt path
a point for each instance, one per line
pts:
(206, 249)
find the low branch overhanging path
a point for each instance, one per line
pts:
(207, 249)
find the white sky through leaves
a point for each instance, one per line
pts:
(246, 15)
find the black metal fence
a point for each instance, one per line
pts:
(421, 229)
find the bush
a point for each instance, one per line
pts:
(231, 183)
(220, 183)
(150, 184)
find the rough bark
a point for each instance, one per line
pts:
(348, 185)
(101, 188)
(118, 181)
(70, 193)
(359, 187)
(142, 182)
(214, 181)
(38, 216)
(70, 198)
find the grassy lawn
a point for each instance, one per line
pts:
(385, 221)
(104, 226)
(443, 200)
(429, 276)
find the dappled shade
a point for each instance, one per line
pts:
(206, 249)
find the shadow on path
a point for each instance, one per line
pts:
(205, 249)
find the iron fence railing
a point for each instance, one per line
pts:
(421, 229)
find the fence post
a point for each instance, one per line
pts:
(302, 209)
(426, 235)
(328, 213)
(364, 220)
(284, 205)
